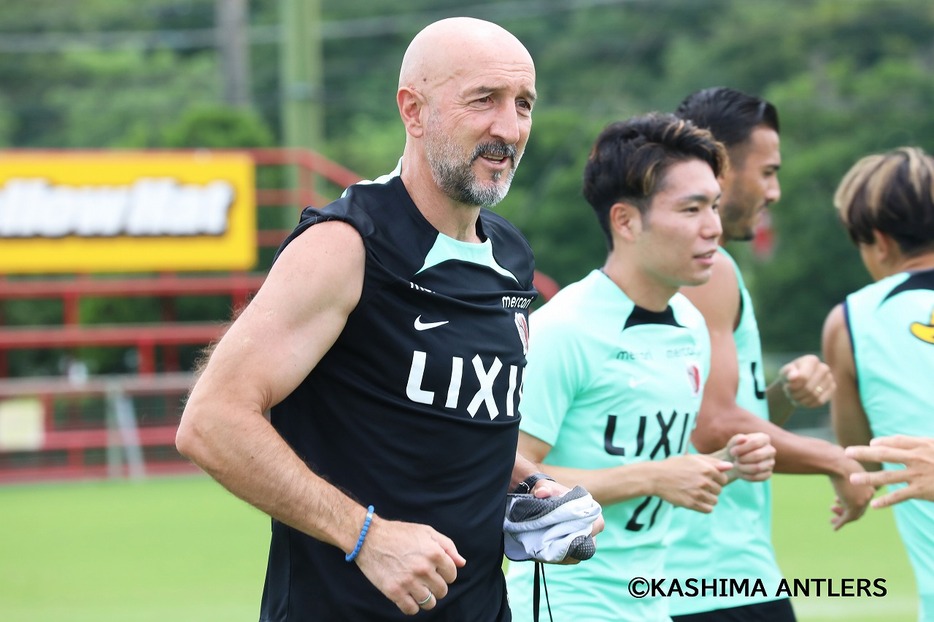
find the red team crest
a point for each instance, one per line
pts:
(522, 325)
(694, 378)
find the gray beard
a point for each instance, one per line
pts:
(457, 179)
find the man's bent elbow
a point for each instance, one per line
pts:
(189, 438)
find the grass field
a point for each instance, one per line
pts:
(869, 548)
(185, 550)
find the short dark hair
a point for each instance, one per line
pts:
(893, 193)
(629, 159)
(730, 115)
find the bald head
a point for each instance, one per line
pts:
(466, 91)
(441, 49)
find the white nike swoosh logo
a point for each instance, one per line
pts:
(420, 325)
(634, 382)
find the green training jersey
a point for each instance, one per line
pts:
(734, 542)
(607, 384)
(891, 325)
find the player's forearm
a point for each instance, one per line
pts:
(718, 423)
(522, 469)
(799, 454)
(245, 454)
(607, 486)
(780, 407)
(794, 453)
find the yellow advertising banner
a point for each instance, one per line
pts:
(122, 211)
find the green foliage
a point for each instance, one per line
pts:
(103, 15)
(7, 122)
(825, 130)
(369, 147)
(120, 99)
(216, 126)
(546, 203)
(849, 78)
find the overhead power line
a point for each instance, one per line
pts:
(197, 38)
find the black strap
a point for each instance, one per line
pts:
(536, 593)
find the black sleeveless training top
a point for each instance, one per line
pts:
(415, 408)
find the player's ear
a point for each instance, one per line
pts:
(887, 251)
(625, 220)
(412, 105)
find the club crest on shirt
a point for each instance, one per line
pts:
(924, 330)
(522, 325)
(694, 378)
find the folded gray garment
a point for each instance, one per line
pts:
(550, 529)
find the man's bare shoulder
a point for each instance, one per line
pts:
(325, 263)
(835, 338)
(835, 320)
(332, 240)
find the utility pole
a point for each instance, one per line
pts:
(301, 73)
(301, 79)
(231, 28)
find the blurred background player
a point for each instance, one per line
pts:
(880, 340)
(735, 541)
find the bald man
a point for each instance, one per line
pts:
(388, 343)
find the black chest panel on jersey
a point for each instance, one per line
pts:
(414, 409)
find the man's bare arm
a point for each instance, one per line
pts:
(720, 417)
(270, 348)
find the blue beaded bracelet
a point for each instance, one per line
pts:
(366, 527)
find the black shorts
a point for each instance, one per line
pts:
(771, 611)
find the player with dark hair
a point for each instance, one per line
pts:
(617, 363)
(735, 540)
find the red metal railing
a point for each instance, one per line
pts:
(71, 446)
(308, 170)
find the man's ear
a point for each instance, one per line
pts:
(625, 220)
(411, 106)
(885, 248)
